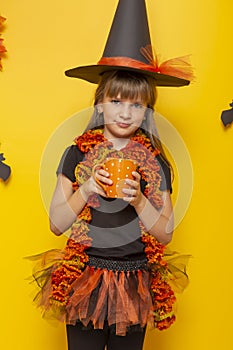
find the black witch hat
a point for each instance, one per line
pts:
(128, 48)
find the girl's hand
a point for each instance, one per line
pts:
(91, 186)
(133, 194)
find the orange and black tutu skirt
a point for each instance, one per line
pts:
(125, 295)
(112, 291)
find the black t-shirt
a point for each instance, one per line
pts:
(114, 228)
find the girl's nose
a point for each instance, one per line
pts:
(125, 111)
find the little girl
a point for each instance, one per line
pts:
(113, 277)
(115, 243)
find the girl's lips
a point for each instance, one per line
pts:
(123, 125)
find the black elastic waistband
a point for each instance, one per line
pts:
(117, 265)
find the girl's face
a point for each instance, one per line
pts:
(122, 117)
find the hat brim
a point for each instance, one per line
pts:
(93, 74)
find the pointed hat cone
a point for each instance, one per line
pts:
(128, 36)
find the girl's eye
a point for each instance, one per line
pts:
(115, 101)
(137, 105)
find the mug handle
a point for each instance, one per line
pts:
(101, 166)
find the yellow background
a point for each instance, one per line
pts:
(43, 38)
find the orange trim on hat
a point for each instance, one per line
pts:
(127, 62)
(178, 67)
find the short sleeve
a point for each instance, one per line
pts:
(165, 174)
(69, 160)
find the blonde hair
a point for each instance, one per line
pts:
(129, 85)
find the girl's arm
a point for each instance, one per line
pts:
(159, 223)
(67, 204)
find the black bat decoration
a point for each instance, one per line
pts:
(227, 116)
(5, 170)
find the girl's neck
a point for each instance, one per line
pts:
(119, 143)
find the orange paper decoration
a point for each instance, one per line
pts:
(2, 47)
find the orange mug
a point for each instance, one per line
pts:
(119, 170)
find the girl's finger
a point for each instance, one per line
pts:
(102, 176)
(136, 175)
(130, 192)
(132, 183)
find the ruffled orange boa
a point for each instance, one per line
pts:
(97, 148)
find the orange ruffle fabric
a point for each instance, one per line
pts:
(121, 298)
